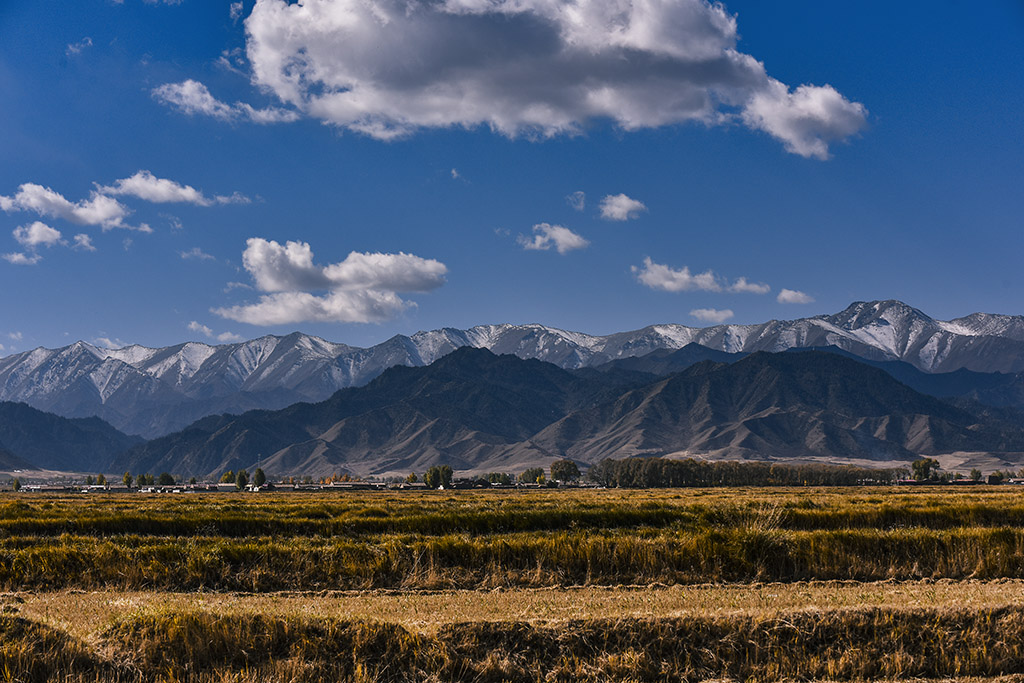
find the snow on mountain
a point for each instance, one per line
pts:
(151, 391)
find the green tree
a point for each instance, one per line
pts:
(924, 468)
(438, 476)
(165, 479)
(16, 484)
(228, 477)
(241, 479)
(532, 475)
(412, 478)
(258, 477)
(975, 474)
(564, 470)
(101, 480)
(499, 478)
(127, 479)
(89, 480)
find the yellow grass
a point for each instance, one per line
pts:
(84, 614)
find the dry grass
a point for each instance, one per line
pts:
(842, 644)
(85, 614)
(371, 540)
(558, 568)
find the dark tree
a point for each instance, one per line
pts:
(924, 468)
(533, 475)
(241, 479)
(165, 479)
(258, 477)
(565, 470)
(438, 476)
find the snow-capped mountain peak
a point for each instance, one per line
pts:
(154, 390)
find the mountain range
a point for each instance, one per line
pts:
(480, 412)
(153, 392)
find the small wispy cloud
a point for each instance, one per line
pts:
(196, 254)
(192, 97)
(557, 237)
(668, 279)
(743, 286)
(108, 343)
(83, 242)
(77, 48)
(711, 315)
(619, 207)
(793, 296)
(577, 200)
(223, 337)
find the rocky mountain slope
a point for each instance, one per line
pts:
(151, 392)
(43, 440)
(479, 412)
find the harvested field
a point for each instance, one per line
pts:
(755, 584)
(492, 539)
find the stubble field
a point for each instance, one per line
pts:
(683, 584)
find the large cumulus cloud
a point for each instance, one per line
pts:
(362, 288)
(538, 67)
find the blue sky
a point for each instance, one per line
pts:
(739, 162)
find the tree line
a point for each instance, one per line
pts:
(662, 472)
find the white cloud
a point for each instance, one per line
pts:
(202, 329)
(792, 296)
(711, 315)
(20, 259)
(192, 97)
(223, 337)
(83, 243)
(107, 343)
(147, 186)
(455, 174)
(233, 60)
(197, 254)
(235, 10)
(619, 207)
(658, 276)
(15, 336)
(547, 236)
(233, 198)
(535, 67)
(362, 288)
(99, 209)
(805, 120)
(37, 234)
(742, 286)
(577, 200)
(667, 279)
(76, 48)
